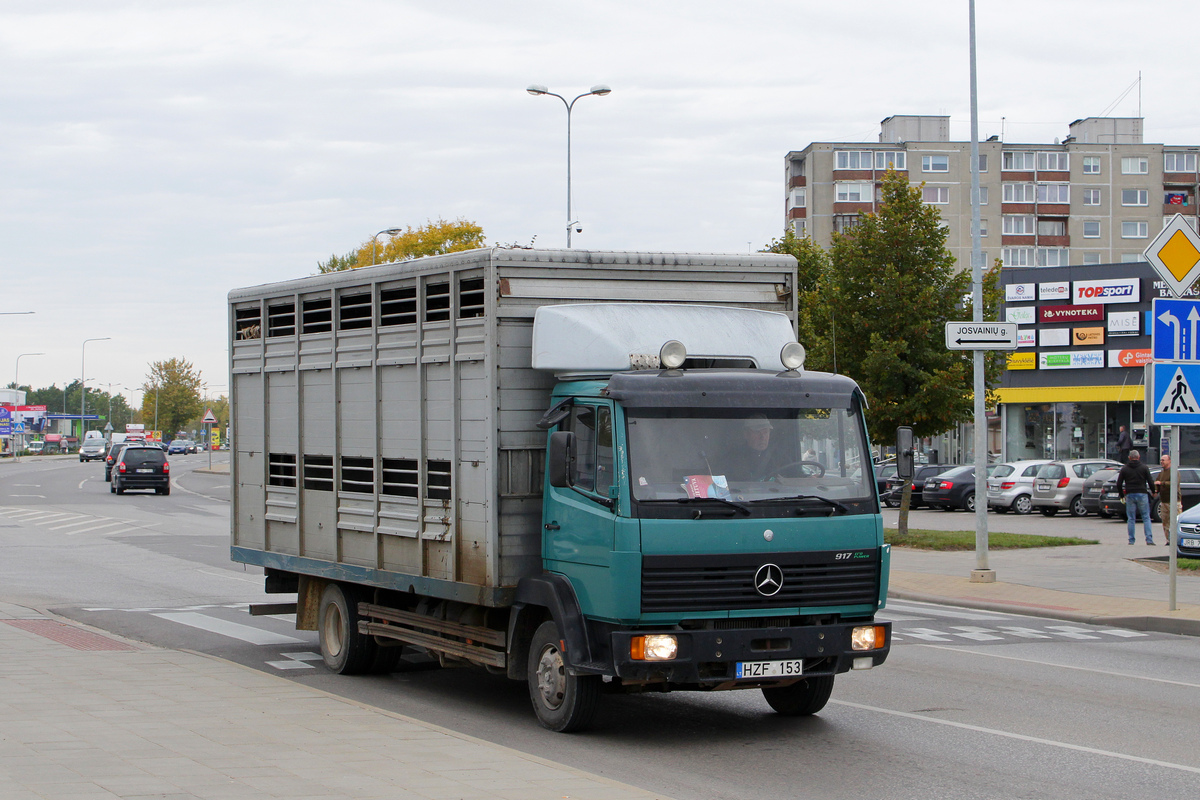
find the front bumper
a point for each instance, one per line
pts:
(707, 659)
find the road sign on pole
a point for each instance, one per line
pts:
(1175, 335)
(1175, 255)
(981, 336)
(1173, 394)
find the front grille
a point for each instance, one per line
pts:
(726, 581)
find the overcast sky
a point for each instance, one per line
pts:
(157, 154)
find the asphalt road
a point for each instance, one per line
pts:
(969, 705)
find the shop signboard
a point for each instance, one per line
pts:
(1079, 359)
(1081, 337)
(1026, 337)
(1129, 358)
(1027, 360)
(1059, 291)
(1084, 313)
(1124, 323)
(1021, 315)
(1020, 293)
(1111, 290)
(1054, 337)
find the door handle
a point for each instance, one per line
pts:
(551, 526)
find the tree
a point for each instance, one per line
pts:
(171, 394)
(430, 239)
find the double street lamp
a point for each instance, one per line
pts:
(600, 90)
(17, 385)
(375, 240)
(83, 383)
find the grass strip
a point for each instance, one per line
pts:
(920, 539)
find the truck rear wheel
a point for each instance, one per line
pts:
(343, 648)
(801, 698)
(562, 702)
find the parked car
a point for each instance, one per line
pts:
(1010, 486)
(954, 488)
(93, 449)
(882, 473)
(1189, 494)
(1093, 487)
(1188, 545)
(141, 467)
(114, 450)
(921, 472)
(1059, 484)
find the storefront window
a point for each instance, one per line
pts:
(1055, 430)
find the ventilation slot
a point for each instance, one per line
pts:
(437, 480)
(281, 470)
(317, 316)
(318, 473)
(437, 302)
(358, 474)
(400, 477)
(354, 311)
(470, 298)
(398, 306)
(281, 320)
(247, 323)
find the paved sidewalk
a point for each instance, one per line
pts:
(88, 716)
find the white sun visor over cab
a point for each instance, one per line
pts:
(593, 338)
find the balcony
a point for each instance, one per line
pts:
(1018, 240)
(853, 208)
(1180, 179)
(798, 213)
(797, 180)
(854, 174)
(1054, 241)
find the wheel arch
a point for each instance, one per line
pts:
(540, 598)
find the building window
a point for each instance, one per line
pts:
(1132, 258)
(1091, 197)
(1179, 198)
(853, 159)
(844, 223)
(935, 163)
(1135, 197)
(1091, 165)
(1017, 256)
(1135, 165)
(1018, 161)
(983, 227)
(1018, 193)
(799, 198)
(936, 195)
(800, 227)
(1059, 162)
(1179, 162)
(1135, 230)
(1091, 258)
(886, 159)
(855, 192)
(1017, 225)
(1054, 192)
(1052, 256)
(1091, 229)
(1191, 221)
(1052, 227)
(983, 162)
(983, 195)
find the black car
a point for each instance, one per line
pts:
(141, 467)
(114, 450)
(895, 486)
(1093, 488)
(882, 473)
(954, 488)
(1189, 494)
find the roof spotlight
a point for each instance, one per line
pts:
(672, 355)
(792, 355)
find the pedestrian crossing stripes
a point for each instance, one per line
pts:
(72, 524)
(1008, 633)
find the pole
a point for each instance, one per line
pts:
(1173, 535)
(83, 382)
(982, 573)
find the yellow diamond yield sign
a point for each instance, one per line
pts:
(1175, 255)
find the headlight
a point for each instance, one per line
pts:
(653, 647)
(868, 637)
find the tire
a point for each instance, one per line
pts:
(969, 503)
(802, 698)
(1022, 504)
(107, 476)
(166, 490)
(562, 702)
(1103, 515)
(1077, 508)
(343, 649)
(1156, 511)
(112, 488)
(1048, 511)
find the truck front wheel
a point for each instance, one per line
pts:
(801, 698)
(343, 648)
(562, 702)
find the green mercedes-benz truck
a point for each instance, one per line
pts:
(596, 472)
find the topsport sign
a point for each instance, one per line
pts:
(1113, 290)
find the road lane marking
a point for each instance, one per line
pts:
(1072, 632)
(233, 630)
(98, 527)
(227, 574)
(1065, 666)
(978, 634)
(1020, 736)
(1026, 633)
(927, 634)
(28, 495)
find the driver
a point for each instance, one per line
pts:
(755, 459)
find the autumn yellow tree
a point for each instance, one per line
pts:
(430, 239)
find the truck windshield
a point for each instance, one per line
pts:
(804, 456)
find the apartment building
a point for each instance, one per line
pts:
(1097, 197)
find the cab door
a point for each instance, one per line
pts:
(579, 519)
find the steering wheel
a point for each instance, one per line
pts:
(818, 470)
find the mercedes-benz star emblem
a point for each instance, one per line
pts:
(768, 580)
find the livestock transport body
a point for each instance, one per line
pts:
(592, 471)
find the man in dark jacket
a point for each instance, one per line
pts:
(1133, 482)
(1124, 445)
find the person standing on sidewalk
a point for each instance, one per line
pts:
(1167, 509)
(1134, 484)
(1124, 445)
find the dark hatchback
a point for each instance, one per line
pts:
(922, 472)
(114, 450)
(1189, 494)
(141, 467)
(952, 489)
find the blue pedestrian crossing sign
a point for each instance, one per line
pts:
(1176, 332)
(1174, 400)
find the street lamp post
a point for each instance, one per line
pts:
(17, 386)
(600, 90)
(375, 240)
(83, 382)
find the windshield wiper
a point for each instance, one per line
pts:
(834, 504)
(729, 503)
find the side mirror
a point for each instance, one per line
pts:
(560, 458)
(904, 452)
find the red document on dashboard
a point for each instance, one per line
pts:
(707, 486)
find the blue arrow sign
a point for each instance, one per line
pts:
(1174, 399)
(1176, 330)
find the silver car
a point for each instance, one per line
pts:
(1010, 486)
(1059, 484)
